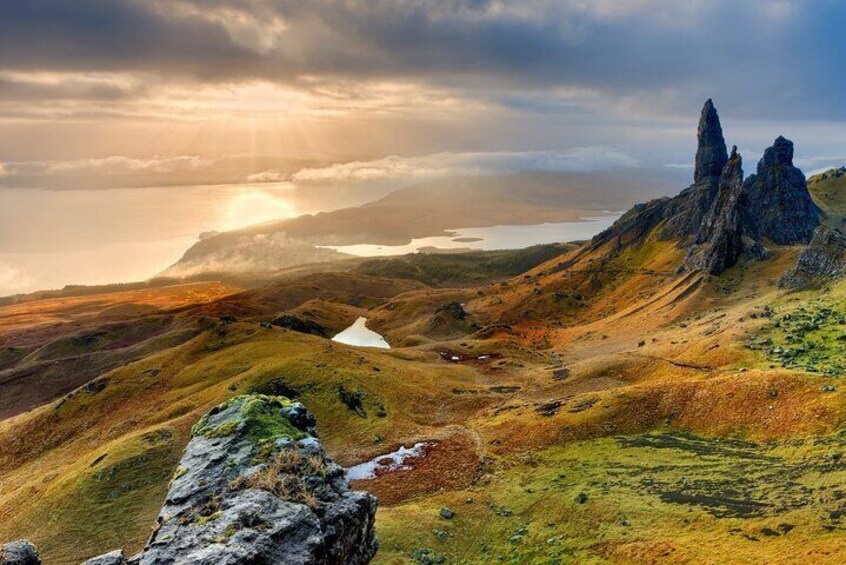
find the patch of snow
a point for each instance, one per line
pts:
(359, 335)
(399, 460)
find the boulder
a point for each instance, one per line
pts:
(19, 553)
(255, 486)
(454, 309)
(113, 558)
(824, 259)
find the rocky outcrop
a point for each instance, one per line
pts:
(824, 259)
(113, 558)
(711, 154)
(720, 216)
(780, 207)
(685, 213)
(301, 325)
(19, 553)
(719, 241)
(632, 226)
(253, 486)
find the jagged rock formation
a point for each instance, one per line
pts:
(19, 553)
(711, 154)
(253, 486)
(719, 241)
(780, 207)
(719, 215)
(685, 212)
(822, 260)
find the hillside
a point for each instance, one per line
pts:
(649, 396)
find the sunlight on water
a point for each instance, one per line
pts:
(50, 238)
(495, 237)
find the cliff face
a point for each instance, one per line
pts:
(253, 486)
(780, 207)
(719, 241)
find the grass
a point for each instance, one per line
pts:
(45, 454)
(283, 477)
(808, 336)
(87, 507)
(590, 468)
(661, 497)
(437, 269)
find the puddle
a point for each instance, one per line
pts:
(402, 459)
(458, 357)
(358, 335)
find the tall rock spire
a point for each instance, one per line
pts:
(711, 154)
(687, 211)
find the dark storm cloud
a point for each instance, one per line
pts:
(768, 57)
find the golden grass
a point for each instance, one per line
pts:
(647, 350)
(281, 476)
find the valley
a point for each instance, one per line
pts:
(657, 394)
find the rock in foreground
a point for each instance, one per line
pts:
(253, 486)
(19, 553)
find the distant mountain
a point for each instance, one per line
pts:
(421, 211)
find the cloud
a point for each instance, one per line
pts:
(52, 86)
(359, 80)
(114, 165)
(673, 51)
(414, 169)
(270, 175)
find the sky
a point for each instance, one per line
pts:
(137, 92)
(222, 110)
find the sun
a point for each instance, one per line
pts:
(256, 205)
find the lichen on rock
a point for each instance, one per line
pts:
(20, 552)
(255, 486)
